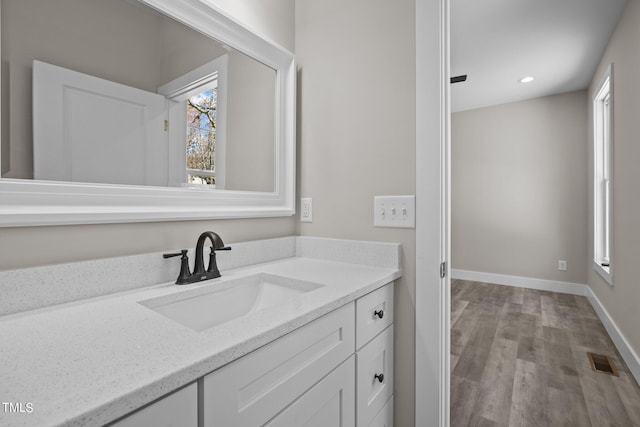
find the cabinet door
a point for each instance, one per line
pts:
(375, 376)
(179, 409)
(329, 403)
(252, 390)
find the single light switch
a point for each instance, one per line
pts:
(394, 211)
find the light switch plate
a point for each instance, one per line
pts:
(394, 211)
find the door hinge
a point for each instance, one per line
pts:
(443, 269)
(166, 125)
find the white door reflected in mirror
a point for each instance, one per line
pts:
(87, 129)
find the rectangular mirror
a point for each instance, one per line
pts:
(127, 110)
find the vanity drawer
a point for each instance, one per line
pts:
(374, 384)
(253, 389)
(385, 416)
(374, 312)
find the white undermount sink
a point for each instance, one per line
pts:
(212, 305)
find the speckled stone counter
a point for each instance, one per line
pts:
(91, 361)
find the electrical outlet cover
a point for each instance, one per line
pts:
(306, 209)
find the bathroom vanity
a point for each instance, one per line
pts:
(315, 375)
(313, 344)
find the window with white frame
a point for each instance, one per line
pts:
(603, 177)
(201, 135)
(197, 125)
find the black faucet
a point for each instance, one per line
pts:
(199, 273)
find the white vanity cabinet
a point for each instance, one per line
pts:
(374, 358)
(252, 390)
(384, 417)
(331, 402)
(178, 409)
(374, 313)
(335, 371)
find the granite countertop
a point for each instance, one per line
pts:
(91, 361)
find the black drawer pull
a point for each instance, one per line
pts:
(379, 377)
(379, 313)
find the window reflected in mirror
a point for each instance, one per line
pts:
(201, 137)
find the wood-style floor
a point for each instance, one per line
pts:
(519, 358)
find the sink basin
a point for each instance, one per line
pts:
(204, 308)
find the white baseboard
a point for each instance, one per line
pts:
(626, 351)
(521, 282)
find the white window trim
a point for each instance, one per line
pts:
(177, 92)
(605, 90)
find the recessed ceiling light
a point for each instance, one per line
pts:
(527, 79)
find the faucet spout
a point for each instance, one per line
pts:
(217, 245)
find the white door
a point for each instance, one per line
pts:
(432, 294)
(87, 129)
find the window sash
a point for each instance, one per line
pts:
(201, 172)
(603, 185)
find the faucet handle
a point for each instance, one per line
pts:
(183, 252)
(185, 273)
(213, 265)
(212, 269)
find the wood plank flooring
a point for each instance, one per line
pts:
(519, 358)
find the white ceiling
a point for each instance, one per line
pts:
(496, 42)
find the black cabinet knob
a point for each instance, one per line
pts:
(379, 377)
(379, 313)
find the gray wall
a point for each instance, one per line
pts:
(250, 151)
(32, 246)
(519, 188)
(622, 301)
(356, 128)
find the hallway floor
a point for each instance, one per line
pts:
(519, 358)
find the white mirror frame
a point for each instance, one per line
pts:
(31, 202)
